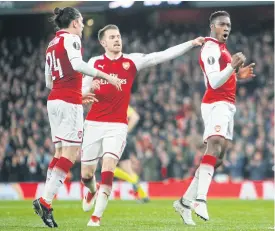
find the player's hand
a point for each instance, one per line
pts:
(95, 85)
(246, 72)
(89, 98)
(198, 41)
(238, 59)
(115, 81)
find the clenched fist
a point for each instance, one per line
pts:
(237, 60)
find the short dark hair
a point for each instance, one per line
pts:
(216, 14)
(101, 32)
(63, 17)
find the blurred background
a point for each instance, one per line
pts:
(167, 143)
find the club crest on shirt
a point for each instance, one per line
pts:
(217, 128)
(126, 65)
(211, 60)
(79, 134)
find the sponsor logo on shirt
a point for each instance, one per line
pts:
(103, 81)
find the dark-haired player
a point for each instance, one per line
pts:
(106, 123)
(218, 108)
(64, 69)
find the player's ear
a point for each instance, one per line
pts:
(212, 26)
(74, 23)
(102, 42)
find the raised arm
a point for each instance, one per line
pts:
(152, 59)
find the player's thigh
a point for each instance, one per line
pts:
(216, 119)
(230, 129)
(55, 118)
(92, 144)
(70, 131)
(113, 146)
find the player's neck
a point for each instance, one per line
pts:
(112, 56)
(69, 30)
(213, 36)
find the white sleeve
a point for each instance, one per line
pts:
(146, 60)
(72, 44)
(48, 77)
(87, 80)
(210, 56)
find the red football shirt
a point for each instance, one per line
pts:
(215, 57)
(113, 104)
(67, 83)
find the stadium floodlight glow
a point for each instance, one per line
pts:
(123, 4)
(151, 3)
(174, 2)
(157, 3)
(90, 22)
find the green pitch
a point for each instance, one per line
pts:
(158, 215)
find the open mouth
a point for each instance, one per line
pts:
(116, 45)
(225, 36)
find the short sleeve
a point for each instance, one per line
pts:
(72, 44)
(210, 56)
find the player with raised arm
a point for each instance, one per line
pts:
(218, 108)
(105, 127)
(64, 69)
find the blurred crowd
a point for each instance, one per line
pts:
(167, 143)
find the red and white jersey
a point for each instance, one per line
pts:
(67, 83)
(215, 57)
(113, 104)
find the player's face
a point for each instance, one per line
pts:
(112, 41)
(221, 28)
(79, 25)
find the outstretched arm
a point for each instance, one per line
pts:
(152, 59)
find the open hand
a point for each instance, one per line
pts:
(246, 72)
(115, 81)
(89, 98)
(198, 41)
(95, 85)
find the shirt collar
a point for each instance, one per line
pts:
(213, 40)
(62, 32)
(111, 59)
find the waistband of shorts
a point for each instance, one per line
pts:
(220, 102)
(97, 123)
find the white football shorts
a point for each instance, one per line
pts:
(102, 139)
(66, 121)
(218, 119)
